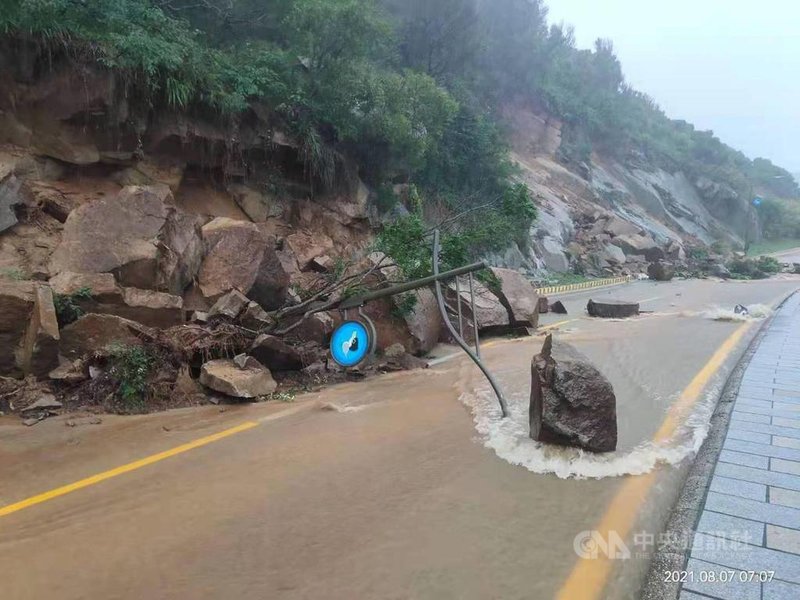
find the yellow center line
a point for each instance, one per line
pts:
(588, 578)
(556, 324)
(149, 460)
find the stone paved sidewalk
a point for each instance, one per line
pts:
(751, 517)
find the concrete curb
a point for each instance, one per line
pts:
(686, 512)
(586, 285)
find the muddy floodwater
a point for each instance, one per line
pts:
(404, 486)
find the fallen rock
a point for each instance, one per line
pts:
(307, 247)
(612, 309)
(255, 318)
(276, 354)
(229, 305)
(613, 254)
(137, 235)
(572, 403)
(46, 402)
(719, 270)
(661, 271)
(635, 244)
(655, 254)
(273, 277)
(316, 328)
(491, 315)
(544, 305)
(226, 377)
(558, 308)
(71, 372)
(153, 309)
(93, 333)
(424, 321)
(235, 250)
(102, 286)
(518, 296)
(322, 264)
(39, 352)
(17, 300)
(10, 189)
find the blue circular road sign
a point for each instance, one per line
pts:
(350, 343)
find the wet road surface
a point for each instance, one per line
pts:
(408, 493)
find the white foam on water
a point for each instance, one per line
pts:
(342, 409)
(509, 439)
(755, 312)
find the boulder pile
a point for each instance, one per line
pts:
(132, 298)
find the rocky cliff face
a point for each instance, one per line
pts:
(607, 216)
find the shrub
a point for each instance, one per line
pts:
(131, 368)
(67, 306)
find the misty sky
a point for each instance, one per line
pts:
(726, 65)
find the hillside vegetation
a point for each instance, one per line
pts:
(409, 89)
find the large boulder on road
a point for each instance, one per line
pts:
(518, 296)
(612, 309)
(572, 403)
(661, 271)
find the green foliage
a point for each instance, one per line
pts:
(67, 306)
(749, 268)
(768, 264)
(131, 367)
(780, 219)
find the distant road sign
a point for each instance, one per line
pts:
(350, 343)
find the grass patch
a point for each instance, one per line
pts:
(770, 246)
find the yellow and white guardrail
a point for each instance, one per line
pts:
(576, 287)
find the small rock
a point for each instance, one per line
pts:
(46, 403)
(558, 308)
(276, 354)
(255, 318)
(31, 422)
(322, 264)
(544, 304)
(241, 360)
(199, 316)
(394, 351)
(229, 305)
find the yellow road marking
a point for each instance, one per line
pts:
(149, 460)
(588, 578)
(556, 324)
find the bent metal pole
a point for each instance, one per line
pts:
(459, 340)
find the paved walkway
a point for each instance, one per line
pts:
(750, 524)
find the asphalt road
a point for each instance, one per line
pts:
(405, 486)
